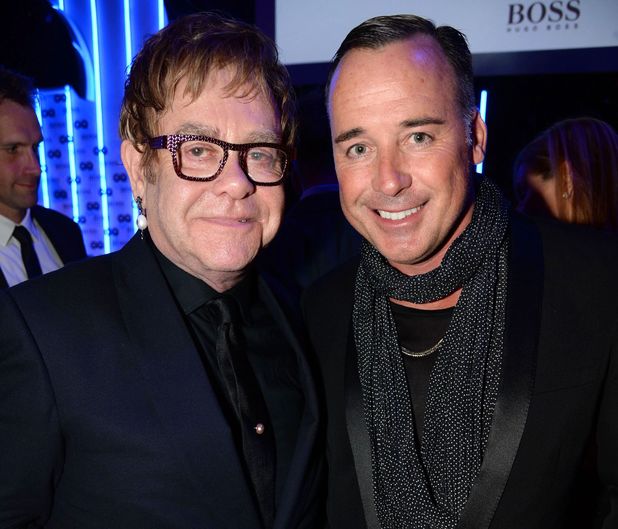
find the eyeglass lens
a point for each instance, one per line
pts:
(202, 159)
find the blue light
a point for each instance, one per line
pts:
(162, 14)
(483, 106)
(128, 59)
(42, 159)
(128, 48)
(483, 113)
(71, 149)
(99, 116)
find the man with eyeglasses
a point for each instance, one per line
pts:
(163, 386)
(33, 239)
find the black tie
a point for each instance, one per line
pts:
(28, 255)
(243, 393)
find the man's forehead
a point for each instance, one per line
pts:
(415, 53)
(18, 124)
(411, 71)
(224, 82)
(213, 109)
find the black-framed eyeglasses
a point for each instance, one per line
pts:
(201, 159)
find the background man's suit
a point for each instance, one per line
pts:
(63, 233)
(315, 237)
(116, 412)
(560, 361)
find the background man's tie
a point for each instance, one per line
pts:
(28, 255)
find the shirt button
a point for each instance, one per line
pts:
(259, 428)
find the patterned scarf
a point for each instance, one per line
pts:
(428, 485)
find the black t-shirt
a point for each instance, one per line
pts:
(419, 330)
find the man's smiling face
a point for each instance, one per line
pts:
(402, 150)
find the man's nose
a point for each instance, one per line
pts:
(32, 163)
(233, 179)
(393, 173)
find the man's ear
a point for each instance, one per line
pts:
(478, 132)
(132, 161)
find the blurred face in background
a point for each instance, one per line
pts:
(538, 194)
(20, 172)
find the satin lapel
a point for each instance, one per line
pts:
(3, 283)
(180, 390)
(358, 434)
(523, 317)
(299, 473)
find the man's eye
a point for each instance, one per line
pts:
(357, 150)
(420, 137)
(259, 156)
(196, 149)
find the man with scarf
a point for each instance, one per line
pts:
(469, 356)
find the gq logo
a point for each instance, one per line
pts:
(537, 12)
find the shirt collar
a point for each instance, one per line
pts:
(191, 292)
(7, 226)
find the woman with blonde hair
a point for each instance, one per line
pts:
(570, 172)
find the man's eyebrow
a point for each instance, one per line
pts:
(197, 130)
(258, 136)
(408, 123)
(349, 134)
(12, 144)
(263, 136)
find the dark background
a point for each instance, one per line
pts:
(527, 91)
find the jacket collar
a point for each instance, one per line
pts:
(523, 319)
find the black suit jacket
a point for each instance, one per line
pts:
(108, 418)
(555, 426)
(64, 234)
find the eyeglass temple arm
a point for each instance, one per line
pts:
(160, 142)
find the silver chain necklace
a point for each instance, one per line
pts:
(421, 354)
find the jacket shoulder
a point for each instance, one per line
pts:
(74, 283)
(578, 252)
(44, 215)
(64, 233)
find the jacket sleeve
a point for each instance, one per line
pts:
(30, 441)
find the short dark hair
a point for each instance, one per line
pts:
(379, 31)
(16, 87)
(191, 48)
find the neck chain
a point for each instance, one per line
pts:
(421, 354)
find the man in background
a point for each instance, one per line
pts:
(470, 356)
(164, 386)
(33, 240)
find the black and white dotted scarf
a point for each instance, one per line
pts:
(428, 485)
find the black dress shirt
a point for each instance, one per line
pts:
(268, 352)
